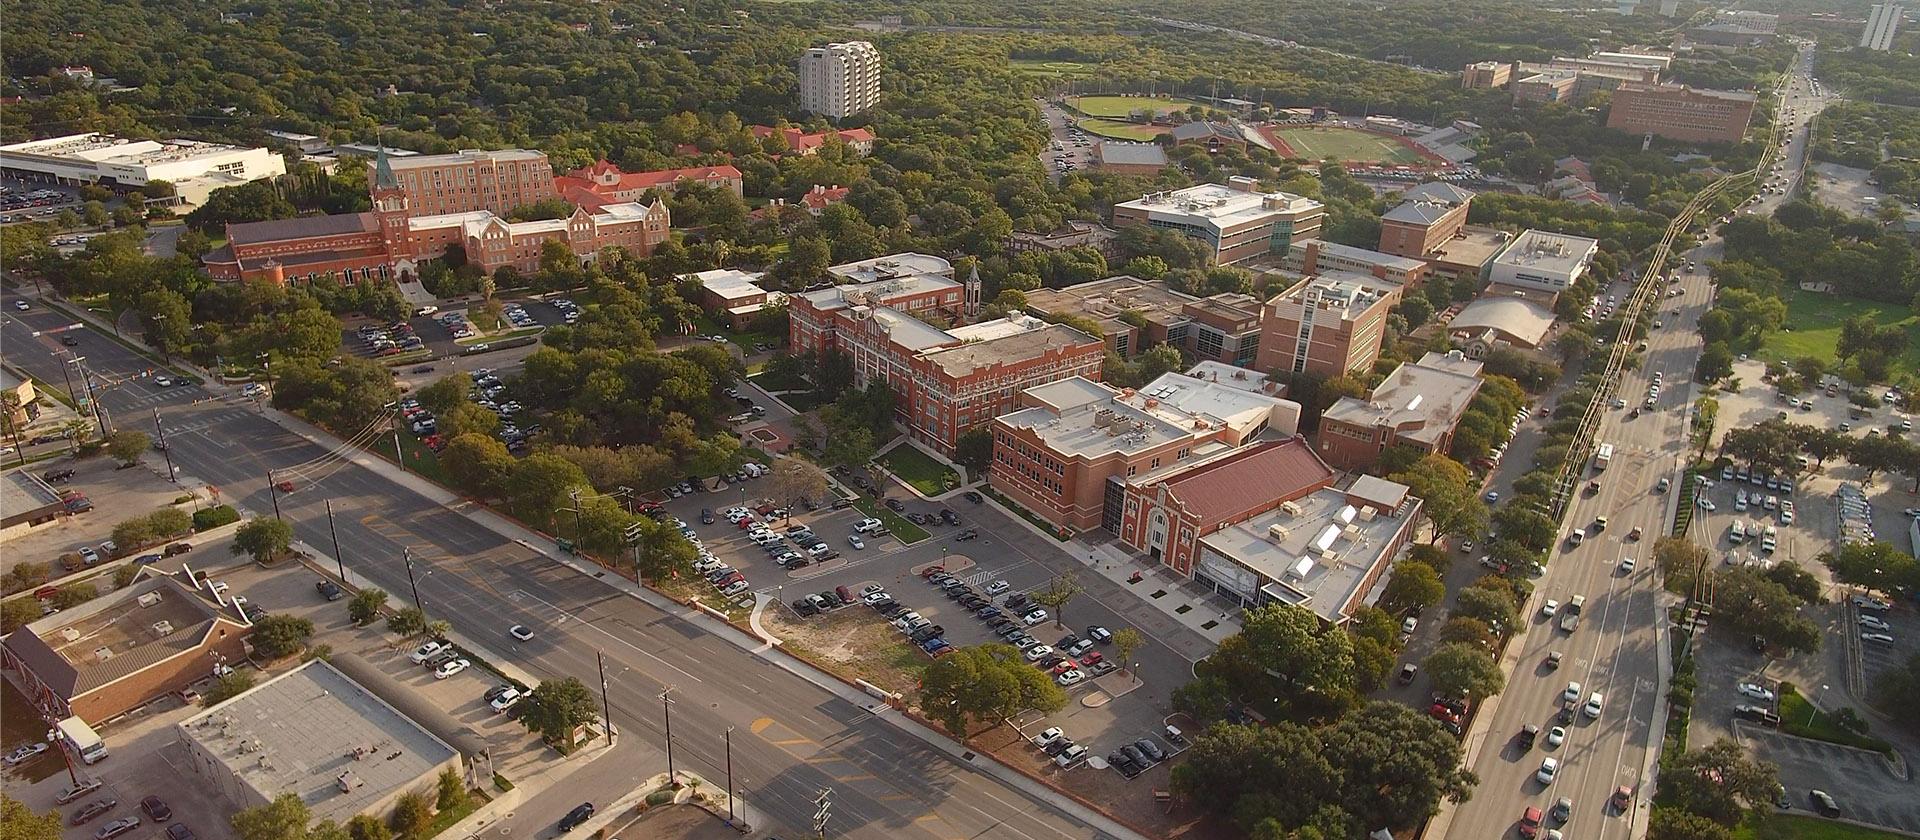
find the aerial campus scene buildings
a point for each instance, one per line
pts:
(398, 450)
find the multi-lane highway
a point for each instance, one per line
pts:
(1617, 649)
(791, 738)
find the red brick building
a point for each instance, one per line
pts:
(1419, 405)
(1330, 325)
(1428, 216)
(604, 183)
(947, 381)
(498, 181)
(1074, 444)
(1164, 518)
(114, 653)
(802, 143)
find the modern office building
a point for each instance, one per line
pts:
(604, 183)
(1136, 314)
(1330, 324)
(1486, 75)
(1883, 23)
(315, 733)
(195, 169)
(1069, 452)
(947, 381)
(1678, 112)
(1418, 405)
(1537, 259)
(1549, 85)
(1236, 221)
(116, 652)
(839, 80)
(497, 181)
(1427, 217)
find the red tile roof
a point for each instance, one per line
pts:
(801, 141)
(1255, 478)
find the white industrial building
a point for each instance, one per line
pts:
(1882, 24)
(1538, 259)
(194, 168)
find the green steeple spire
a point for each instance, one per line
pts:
(383, 171)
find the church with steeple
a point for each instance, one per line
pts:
(424, 206)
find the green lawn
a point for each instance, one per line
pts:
(907, 532)
(1771, 826)
(1813, 328)
(1799, 717)
(420, 459)
(1051, 69)
(1345, 144)
(1121, 106)
(1122, 130)
(914, 467)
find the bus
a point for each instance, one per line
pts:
(82, 740)
(1602, 456)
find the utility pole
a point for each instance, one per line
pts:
(730, 816)
(162, 432)
(393, 424)
(578, 526)
(274, 494)
(337, 558)
(666, 710)
(406, 556)
(606, 706)
(99, 411)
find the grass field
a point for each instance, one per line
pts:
(914, 467)
(1051, 69)
(1786, 827)
(1346, 144)
(1121, 106)
(1815, 321)
(1120, 130)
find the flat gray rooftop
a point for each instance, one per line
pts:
(297, 732)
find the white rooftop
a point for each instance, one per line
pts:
(1520, 318)
(1315, 552)
(1220, 207)
(1541, 250)
(297, 732)
(1366, 255)
(876, 291)
(731, 283)
(908, 331)
(465, 156)
(107, 148)
(1090, 419)
(893, 266)
(1421, 399)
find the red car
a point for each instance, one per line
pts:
(930, 571)
(1530, 823)
(1064, 666)
(1091, 658)
(283, 486)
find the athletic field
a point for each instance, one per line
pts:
(1343, 144)
(1121, 130)
(1120, 106)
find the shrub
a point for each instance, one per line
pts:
(214, 517)
(365, 606)
(412, 814)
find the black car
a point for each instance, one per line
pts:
(1017, 600)
(949, 516)
(1124, 764)
(1152, 749)
(56, 475)
(1067, 641)
(1050, 660)
(987, 612)
(156, 809)
(328, 590)
(1058, 746)
(895, 505)
(93, 809)
(968, 534)
(804, 607)
(179, 831)
(580, 814)
(973, 496)
(841, 504)
(706, 516)
(1134, 752)
(892, 609)
(1007, 630)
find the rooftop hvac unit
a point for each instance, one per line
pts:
(1290, 508)
(1277, 533)
(1139, 427)
(1102, 418)
(69, 634)
(103, 653)
(347, 782)
(162, 629)
(148, 599)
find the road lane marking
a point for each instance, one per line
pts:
(760, 725)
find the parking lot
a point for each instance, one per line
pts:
(116, 494)
(22, 201)
(440, 331)
(1859, 781)
(1069, 148)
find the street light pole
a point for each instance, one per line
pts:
(406, 556)
(729, 733)
(606, 706)
(273, 493)
(337, 557)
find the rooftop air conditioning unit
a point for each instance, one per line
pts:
(148, 599)
(162, 629)
(1290, 508)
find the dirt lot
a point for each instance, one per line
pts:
(854, 641)
(1130, 800)
(678, 822)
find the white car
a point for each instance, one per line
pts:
(1705, 503)
(1594, 703)
(1072, 676)
(22, 305)
(1875, 623)
(448, 669)
(735, 588)
(506, 700)
(998, 587)
(1550, 608)
(866, 525)
(1549, 767)
(521, 632)
(1038, 652)
(1048, 736)
(875, 597)
(1556, 736)
(1034, 617)
(855, 541)
(1867, 602)
(1626, 565)
(421, 654)
(1571, 694)
(1755, 691)
(1882, 638)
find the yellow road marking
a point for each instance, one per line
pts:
(760, 725)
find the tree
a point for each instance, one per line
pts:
(133, 533)
(1125, 642)
(18, 822)
(263, 539)
(1283, 662)
(478, 464)
(127, 445)
(446, 393)
(452, 791)
(1396, 765)
(468, 418)
(123, 576)
(1240, 770)
(276, 636)
(17, 612)
(849, 447)
(984, 683)
(168, 522)
(1715, 780)
(368, 827)
(1056, 594)
(1490, 605)
(1670, 823)
(974, 450)
(539, 484)
(1680, 560)
(285, 818)
(1751, 604)
(794, 479)
(1413, 588)
(1464, 670)
(1448, 490)
(411, 814)
(227, 687)
(366, 606)
(555, 709)
(407, 622)
(1875, 565)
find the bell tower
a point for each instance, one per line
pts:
(390, 208)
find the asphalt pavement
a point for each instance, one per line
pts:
(791, 738)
